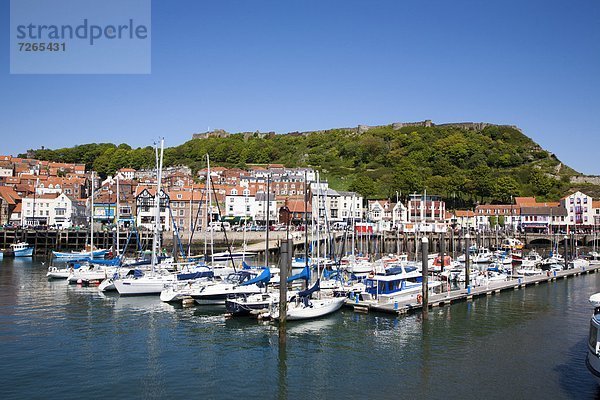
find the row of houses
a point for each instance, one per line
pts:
(42, 193)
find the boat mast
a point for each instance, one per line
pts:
(92, 220)
(117, 216)
(318, 224)
(353, 225)
(267, 219)
(157, 226)
(208, 213)
(306, 221)
(190, 225)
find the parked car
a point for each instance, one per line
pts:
(218, 226)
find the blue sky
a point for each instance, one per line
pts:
(314, 64)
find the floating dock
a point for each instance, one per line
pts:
(460, 295)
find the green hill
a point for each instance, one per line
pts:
(464, 163)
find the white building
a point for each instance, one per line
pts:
(261, 206)
(335, 206)
(126, 173)
(241, 202)
(50, 209)
(61, 212)
(580, 211)
(350, 206)
(6, 171)
(399, 215)
(146, 212)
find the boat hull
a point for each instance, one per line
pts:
(141, 286)
(315, 309)
(79, 254)
(58, 273)
(28, 252)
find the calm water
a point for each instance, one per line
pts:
(59, 341)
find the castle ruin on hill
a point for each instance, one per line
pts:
(475, 126)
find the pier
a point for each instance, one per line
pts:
(44, 241)
(375, 244)
(461, 295)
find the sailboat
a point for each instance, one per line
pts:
(153, 281)
(302, 306)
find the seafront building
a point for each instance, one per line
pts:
(61, 192)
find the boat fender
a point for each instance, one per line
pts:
(419, 298)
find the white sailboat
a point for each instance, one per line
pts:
(153, 281)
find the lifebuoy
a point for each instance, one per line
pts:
(419, 298)
(371, 274)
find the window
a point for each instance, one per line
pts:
(230, 208)
(181, 213)
(247, 209)
(179, 196)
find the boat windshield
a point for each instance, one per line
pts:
(238, 277)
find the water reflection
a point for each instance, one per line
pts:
(526, 343)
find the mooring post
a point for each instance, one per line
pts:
(442, 250)
(424, 272)
(467, 245)
(566, 253)
(285, 251)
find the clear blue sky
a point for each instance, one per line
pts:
(313, 64)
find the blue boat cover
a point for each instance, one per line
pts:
(195, 275)
(264, 277)
(316, 287)
(304, 274)
(111, 262)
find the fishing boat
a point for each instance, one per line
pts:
(21, 249)
(592, 361)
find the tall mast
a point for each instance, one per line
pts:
(190, 230)
(92, 220)
(353, 224)
(209, 212)
(157, 225)
(267, 218)
(318, 233)
(117, 216)
(305, 221)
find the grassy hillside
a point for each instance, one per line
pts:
(462, 165)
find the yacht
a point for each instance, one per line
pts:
(592, 360)
(484, 255)
(239, 283)
(531, 260)
(396, 283)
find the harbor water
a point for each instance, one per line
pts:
(70, 342)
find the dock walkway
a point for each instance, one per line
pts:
(454, 296)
